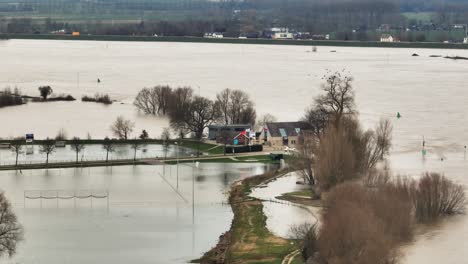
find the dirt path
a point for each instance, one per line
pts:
(290, 257)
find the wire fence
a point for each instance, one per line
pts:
(65, 195)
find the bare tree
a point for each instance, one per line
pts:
(77, 145)
(377, 143)
(317, 118)
(180, 99)
(109, 146)
(61, 134)
(236, 107)
(17, 147)
(45, 91)
(154, 100)
(223, 99)
(147, 101)
(11, 231)
(122, 127)
(339, 96)
(135, 145)
(166, 137)
(264, 119)
(48, 147)
(200, 113)
(304, 159)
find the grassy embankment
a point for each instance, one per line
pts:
(334, 43)
(249, 240)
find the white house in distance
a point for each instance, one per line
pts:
(387, 38)
(465, 41)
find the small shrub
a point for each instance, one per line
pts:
(62, 97)
(98, 98)
(436, 196)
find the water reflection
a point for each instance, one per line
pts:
(147, 220)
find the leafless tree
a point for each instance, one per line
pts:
(48, 147)
(264, 119)
(377, 143)
(317, 118)
(77, 145)
(223, 99)
(109, 146)
(17, 147)
(200, 113)
(11, 231)
(61, 134)
(122, 127)
(154, 100)
(236, 107)
(135, 145)
(147, 101)
(166, 137)
(338, 98)
(304, 159)
(180, 99)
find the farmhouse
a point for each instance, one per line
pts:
(279, 134)
(387, 38)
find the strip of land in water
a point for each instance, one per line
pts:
(333, 43)
(249, 240)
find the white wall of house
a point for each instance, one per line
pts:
(387, 39)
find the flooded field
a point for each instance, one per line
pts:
(146, 220)
(430, 93)
(278, 211)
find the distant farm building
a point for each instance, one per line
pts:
(387, 38)
(214, 35)
(279, 134)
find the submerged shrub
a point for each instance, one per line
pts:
(98, 98)
(435, 196)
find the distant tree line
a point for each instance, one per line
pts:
(194, 18)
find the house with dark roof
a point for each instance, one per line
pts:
(227, 133)
(279, 134)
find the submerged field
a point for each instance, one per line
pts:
(429, 92)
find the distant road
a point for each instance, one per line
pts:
(334, 43)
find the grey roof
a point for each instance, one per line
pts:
(230, 125)
(281, 129)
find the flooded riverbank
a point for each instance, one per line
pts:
(430, 93)
(146, 220)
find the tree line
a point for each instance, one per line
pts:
(192, 114)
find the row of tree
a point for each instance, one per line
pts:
(189, 113)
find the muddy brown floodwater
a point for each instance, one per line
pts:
(430, 93)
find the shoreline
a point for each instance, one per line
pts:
(329, 43)
(248, 239)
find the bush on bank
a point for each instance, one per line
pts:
(366, 225)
